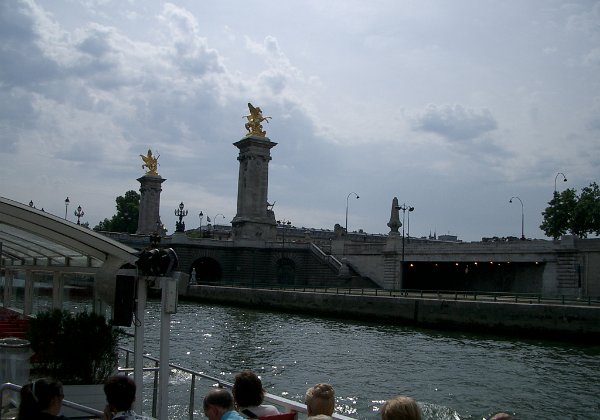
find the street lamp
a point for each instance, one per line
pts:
(181, 213)
(66, 205)
(215, 220)
(410, 209)
(404, 207)
(357, 197)
(522, 217)
(283, 224)
(201, 216)
(79, 214)
(556, 177)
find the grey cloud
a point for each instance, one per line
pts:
(23, 62)
(592, 58)
(189, 51)
(274, 80)
(95, 44)
(455, 122)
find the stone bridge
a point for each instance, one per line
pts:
(567, 267)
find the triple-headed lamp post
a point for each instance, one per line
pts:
(79, 214)
(181, 213)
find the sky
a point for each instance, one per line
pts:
(454, 107)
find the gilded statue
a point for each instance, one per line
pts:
(255, 119)
(150, 162)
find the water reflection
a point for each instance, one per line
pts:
(453, 375)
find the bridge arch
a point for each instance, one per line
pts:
(286, 271)
(208, 270)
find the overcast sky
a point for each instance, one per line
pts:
(451, 106)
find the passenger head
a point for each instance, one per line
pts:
(42, 395)
(401, 408)
(120, 392)
(320, 399)
(247, 389)
(217, 402)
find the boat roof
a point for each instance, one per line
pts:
(36, 240)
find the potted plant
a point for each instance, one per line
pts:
(80, 350)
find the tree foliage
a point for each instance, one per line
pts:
(126, 219)
(578, 215)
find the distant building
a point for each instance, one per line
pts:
(448, 238)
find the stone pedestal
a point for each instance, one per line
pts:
(150, 189)
(392, 264)
(254, 221)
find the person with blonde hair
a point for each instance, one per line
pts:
(320, 401)
(401, 408)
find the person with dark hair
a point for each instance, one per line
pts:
(41, 400)
(120, 395)
(249, 394)
(218, 405)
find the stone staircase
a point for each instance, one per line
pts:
(567, 271)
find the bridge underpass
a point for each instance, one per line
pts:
(514, 277)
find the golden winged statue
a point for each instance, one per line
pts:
(150, 162)
(255, 118)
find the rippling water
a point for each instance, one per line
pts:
(452, 375)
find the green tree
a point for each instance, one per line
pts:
(586, 215)
(578, 215)
(557, 216)
(126, 219)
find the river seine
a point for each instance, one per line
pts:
(452, 375)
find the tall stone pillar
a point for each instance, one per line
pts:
(254, 220)
(149, 217)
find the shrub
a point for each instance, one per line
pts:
(75, 349)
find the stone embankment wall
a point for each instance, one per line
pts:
(561, 322)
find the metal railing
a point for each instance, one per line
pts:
(285, 403)
(93, 413)
(470, 295)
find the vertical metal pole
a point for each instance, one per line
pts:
(138, 345)
(522, 222)
(28, 293)
(58, 283)
(163, 377)
(192, 395)
(9, 275)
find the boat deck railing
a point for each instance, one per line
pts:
(7, 413)
(284, 403)
(508, 297)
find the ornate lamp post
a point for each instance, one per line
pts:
(79, 214)
(404, 207)
(66, 205)
(181, 213)
(156, 236)
(522, 217)
(201, 216)
(357, 197)
(283, 224)
(556, 177)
